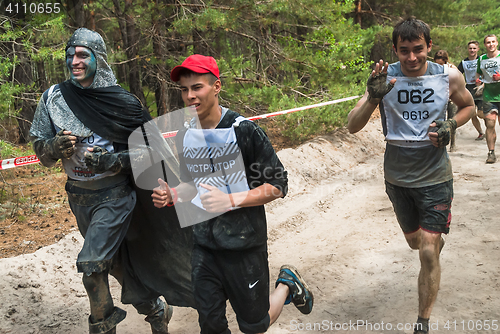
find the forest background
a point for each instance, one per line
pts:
(273, 54)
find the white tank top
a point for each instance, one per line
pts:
(412, 105)
(488, 67)
(470, 67)
(213, 157)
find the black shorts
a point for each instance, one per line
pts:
(240, 276)
(428, 208)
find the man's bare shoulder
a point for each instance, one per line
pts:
(456, 78)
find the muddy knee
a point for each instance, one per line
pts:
(429, 254)
(96, 282)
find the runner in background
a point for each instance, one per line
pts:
(488, 66)
(468, 67)
(441, 57)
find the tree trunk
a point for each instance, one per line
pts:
(160, 81)
(76, 13)
(358, 12)
(130, 40)
(23, 76)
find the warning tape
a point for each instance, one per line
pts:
(16, 162)
(32, 159)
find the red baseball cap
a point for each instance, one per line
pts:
(198, 64)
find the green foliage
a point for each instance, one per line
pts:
(39, 40)
(9, 150)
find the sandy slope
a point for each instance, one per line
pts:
(338, 228)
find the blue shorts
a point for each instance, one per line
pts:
(428, 208)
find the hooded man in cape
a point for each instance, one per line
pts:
(86, 122)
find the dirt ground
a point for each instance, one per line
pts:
(336, 226)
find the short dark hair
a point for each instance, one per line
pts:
(185, 72)
(411, 29)
(490, 35)
(473, 42)
(441, 54)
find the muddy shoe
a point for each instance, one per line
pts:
(420, 332)
(420, 329)
(491, 158)
(299, 294)
(159, 321)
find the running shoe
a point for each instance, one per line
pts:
(300, 294)
(159, 321)
(480, 137)
(491, 158)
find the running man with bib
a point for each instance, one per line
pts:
(229, 260)
(412, 95)
(488, 66)
(468, 67)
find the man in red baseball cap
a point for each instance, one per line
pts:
(229, 259)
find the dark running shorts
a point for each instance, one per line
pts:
(489, 107)
(428, 208)
(240, 276)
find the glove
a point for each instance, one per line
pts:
(496, 76)
(378, 86)
(55, 148)
(100, 160)
(445, 129)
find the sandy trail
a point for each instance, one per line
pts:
(338, 228)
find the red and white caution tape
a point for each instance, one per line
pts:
(288, 111)
(322, 104)
(32, 159)
(16, 162)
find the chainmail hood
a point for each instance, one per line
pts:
(104, 76)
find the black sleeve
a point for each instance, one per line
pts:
(461, 67)
(43, 153)
(262, 165)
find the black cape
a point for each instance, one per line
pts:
(111, 112)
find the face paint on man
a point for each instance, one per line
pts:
(82, 65)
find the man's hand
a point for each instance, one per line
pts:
(215, 200)
(441, 138)
(478, 90)
(99, 160)
(161, 194)
(62, 145)
(496, 76)
(377, 85)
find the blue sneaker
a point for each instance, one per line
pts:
(300, 294)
